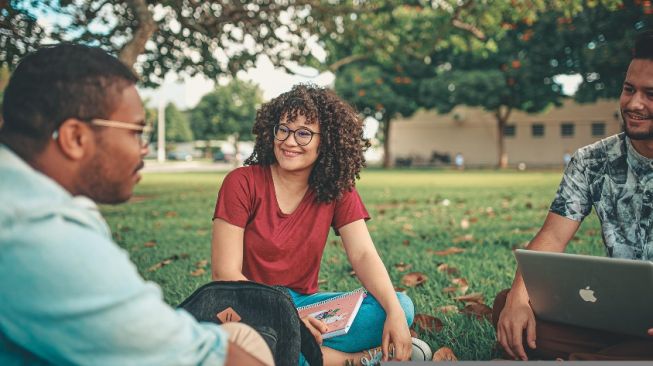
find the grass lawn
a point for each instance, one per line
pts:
(414, 215)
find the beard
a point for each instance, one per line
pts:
(636, 135)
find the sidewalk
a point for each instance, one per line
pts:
(153, 166)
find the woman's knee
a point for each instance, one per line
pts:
(408, 307)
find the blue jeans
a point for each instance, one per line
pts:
(367, 329)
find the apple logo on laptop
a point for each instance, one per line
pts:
(587, 294)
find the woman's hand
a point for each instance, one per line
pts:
(316, 327)
(396, 334)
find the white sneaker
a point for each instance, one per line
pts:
(421, 351)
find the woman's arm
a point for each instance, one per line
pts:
(373, 275)
(227, 251)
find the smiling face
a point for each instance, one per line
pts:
(291, 156)
(636, 100)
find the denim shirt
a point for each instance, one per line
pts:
(70, 295)
(617, 181)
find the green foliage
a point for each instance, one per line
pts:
(177, 125)
(19, 31)
(228, 110)
(409, 221)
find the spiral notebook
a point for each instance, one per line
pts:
(337, 313)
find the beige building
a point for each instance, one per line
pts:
(538, 140)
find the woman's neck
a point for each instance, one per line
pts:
(292, 181)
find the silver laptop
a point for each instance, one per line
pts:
(593, 292)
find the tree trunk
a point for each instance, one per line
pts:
(502, 119)
(142, 33)
(387, 163)
(236, 150)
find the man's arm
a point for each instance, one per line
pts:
(73, 297)
(517, 315)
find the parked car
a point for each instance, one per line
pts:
(180, 155)
(218, 155)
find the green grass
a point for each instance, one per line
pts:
(504, 209)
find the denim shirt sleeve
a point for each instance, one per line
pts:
(573, 199)
(71, 296)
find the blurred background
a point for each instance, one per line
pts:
(511, 83)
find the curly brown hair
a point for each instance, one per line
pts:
(342, 144)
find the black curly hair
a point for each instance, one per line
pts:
(342, 144)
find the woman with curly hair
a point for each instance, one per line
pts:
(273, 216)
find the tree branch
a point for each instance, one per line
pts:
(457, 23)
(345, 61)
(143, 31)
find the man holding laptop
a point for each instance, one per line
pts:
(615, 176)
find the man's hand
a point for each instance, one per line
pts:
(514, 319)
(316, 327)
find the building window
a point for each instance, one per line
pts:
(567, 129)
(537, 129)
(598, 129)
(509, 130)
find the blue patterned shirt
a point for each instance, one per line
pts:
(617, 181)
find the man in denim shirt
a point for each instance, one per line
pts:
(615, 176)
(73, 134)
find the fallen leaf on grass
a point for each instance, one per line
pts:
(167, 261)
(427, 323)
(449, 290)
(462, 284)
(352, 273)
(198, 272)
(447, 309)
(464, 224)
(400, 289)
(442, 253)
(150, 244)
(413, 333)
(473, 220)
(172, 214)
(406, 242)
(413, 279)
(444, 354)
(476, 297)
(321, 282)
(477, 310)
(401, 266)
(445, 268)
(462, 238)
(201, 264)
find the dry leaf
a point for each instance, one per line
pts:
(462, 238)
(198, 272)
(406, 242)
(464, 224)
(473, 220)
(477, 310)
(407, 227)
(447, 309)
(352, 273)
(444, 354)
(427, 323)
(473, 297)
(442, 253)
(321, 282)
(461, 283)
(413, 279)
(171, 214)
(401, 266)
(444, 268)
(529, 205)
(400, 289)
(150, 244)
(163, 263)
(201, 264)
(448, 290)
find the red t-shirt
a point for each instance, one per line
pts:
(282, 249)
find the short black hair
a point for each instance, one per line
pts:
(55, 83)
(644, 45)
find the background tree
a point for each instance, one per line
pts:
(19, 31)
(177, 124)
(4, 79)
(229, 110)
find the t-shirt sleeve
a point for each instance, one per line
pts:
(234, 203)
(573, 199)
(349, 208)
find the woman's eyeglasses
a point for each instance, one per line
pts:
(303, 135)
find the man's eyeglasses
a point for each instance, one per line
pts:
(303, 135)
(143, 132)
